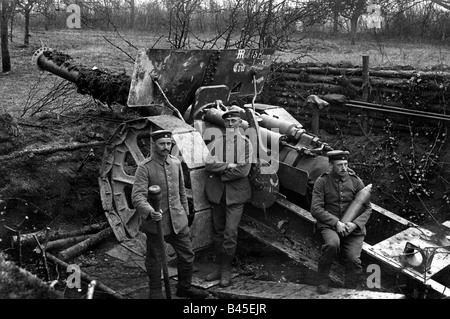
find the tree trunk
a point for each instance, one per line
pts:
(11, 21)
(26, 37)
(132, 14)
(6, 60)
(354, 27)
(335, 21)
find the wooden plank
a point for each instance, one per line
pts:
(297, 210)
(374, 252)
(297, 251)
(393, 248)
(391, 215)
(256, 289)
(440, 288)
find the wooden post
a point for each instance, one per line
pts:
(365, 91)
(315, 120)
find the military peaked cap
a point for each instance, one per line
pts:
(156, 135)
(231, 113)
(337, 155)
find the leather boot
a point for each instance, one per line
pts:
(185, 288)
(155, 291)
(225, 277)
(323, 280)
(322, 285)
(353, 281)
(216, 273)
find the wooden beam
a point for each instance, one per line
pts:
(257, 289)
(297, 210)
(433, 284)
(300, 252)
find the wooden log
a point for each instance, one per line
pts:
(86, 277)
(79, 248)
(320, 70)
(387, 96)
(357, 71)
(333, 88)
(432, 103)
(66, 242)
(365, 91)
(304, 77)
(28, 239)
(375, 81)
(50, 150)
(431, 75)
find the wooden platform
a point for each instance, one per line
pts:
(388, 251)
(256, 289)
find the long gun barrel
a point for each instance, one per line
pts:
(104, 86)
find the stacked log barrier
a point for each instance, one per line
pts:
(426, 90)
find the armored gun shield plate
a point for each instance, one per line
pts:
(179, 73)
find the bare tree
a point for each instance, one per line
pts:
(179, 21)
(6, 60)
(352, 10)
(25, 7)
(12, 14)
(132, 13)
(48, 9)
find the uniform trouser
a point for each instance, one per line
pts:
(226, 219)
(350, 246)
(182, 245)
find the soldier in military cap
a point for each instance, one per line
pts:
(332, 194)
(165, 170)
(228, 189)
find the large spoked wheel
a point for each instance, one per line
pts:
(129, 146)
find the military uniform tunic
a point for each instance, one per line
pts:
(228, 189)
(331, 197)
(168, 175)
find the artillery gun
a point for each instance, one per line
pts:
(186, 92)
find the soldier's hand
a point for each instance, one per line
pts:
(350, 226)
(156, 215)
(341, 228)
